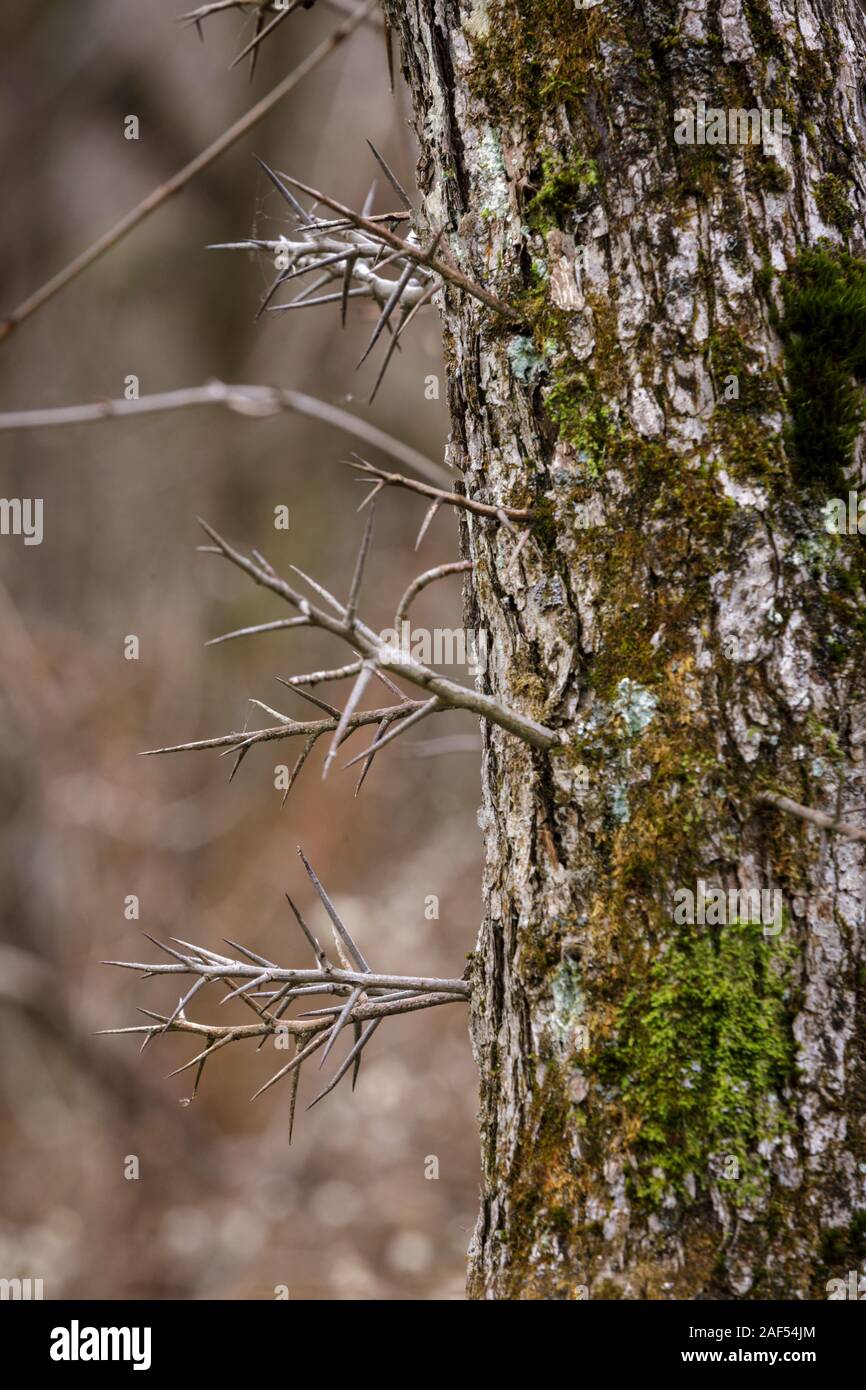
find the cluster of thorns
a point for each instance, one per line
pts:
(362, 999)
(354, 250)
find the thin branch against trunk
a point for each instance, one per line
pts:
(452, 499)
(423, 580)
(808, 813)
(360, 636)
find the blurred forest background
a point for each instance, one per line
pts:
(223, 1207)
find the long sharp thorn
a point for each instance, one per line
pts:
(242, 988)
(392, 346)
(341, 1018)
(313, 699)
(301, 303)
(369, 200)
(198, 1075)
(281, 279)
(251, 955)
(296, 1061)
(321, 958)
(254, 56)
(392, 178)
(389, 57)
(245, 748)
(366, 1034)
(202, 1056)
(182, 1003)
(428, 517)
(293, 1095)
(356, 1065)
(203, 951)
(371, 495)
(348, 272)
(286, 192)
(352, 703)
(302, 758)
(268, 29)
(333, 914)
(401, 728)
(352, 605)
(335, 603)
(390, 685)
(276, 626)
(392, 301)
(369, 761)
(168, 949)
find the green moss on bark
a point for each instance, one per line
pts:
(824, 332)
(703, 1054)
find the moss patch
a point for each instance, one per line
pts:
(824, 332)
(703, 1052)
(831, 197)
(565, 187)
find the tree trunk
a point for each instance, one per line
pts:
(668, 1109)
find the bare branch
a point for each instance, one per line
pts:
(819, 818)
(255, 401)
(421, 582)
(449, 692)
(440, 496)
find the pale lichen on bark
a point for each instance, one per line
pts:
(649, 274)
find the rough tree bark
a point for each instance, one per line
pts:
(667, 1111)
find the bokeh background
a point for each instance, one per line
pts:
(223, 1207)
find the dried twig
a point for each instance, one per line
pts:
(422, 581)
(255, 401)
(364, 998)
(381, 478)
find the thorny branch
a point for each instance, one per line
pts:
(408, 250)
(374, 658)
(350, 251)
(380, 479)
(363, 998)
(185, 175)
